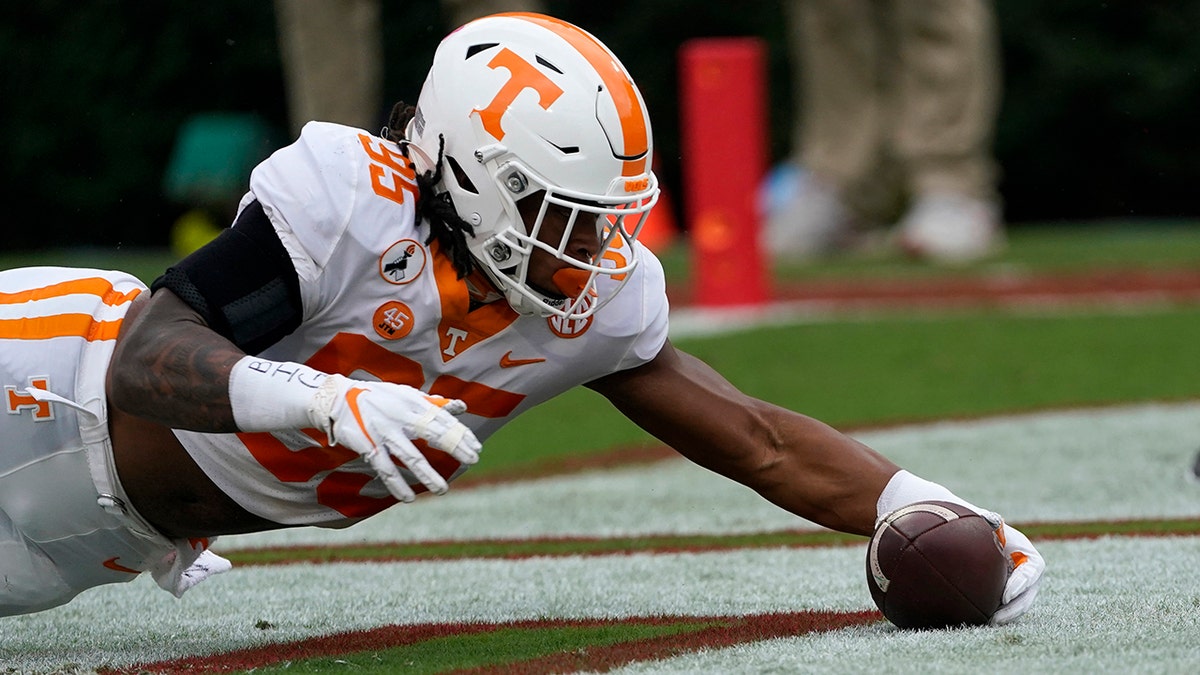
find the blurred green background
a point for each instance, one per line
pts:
(1098, 118)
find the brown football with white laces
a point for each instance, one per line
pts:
(936, 565)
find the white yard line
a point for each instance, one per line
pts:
(1119, 604)
(1111, 463)
(1107, 606)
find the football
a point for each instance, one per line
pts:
(935, 565)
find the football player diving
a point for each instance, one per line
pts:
(381, 305)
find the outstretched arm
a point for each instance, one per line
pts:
(792, 460)
(795, 461)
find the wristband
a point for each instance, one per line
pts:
(904, 488)
(272, 395)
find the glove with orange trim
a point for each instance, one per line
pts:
(1026, 575)
(1027, 564)
(380, 421)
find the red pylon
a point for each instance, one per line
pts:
(723, 113)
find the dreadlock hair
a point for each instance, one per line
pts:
(445, 225)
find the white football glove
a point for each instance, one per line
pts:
(380, 420)
(1027, 564)
(1026, 575)
(185, 566)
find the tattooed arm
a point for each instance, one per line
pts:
(171, 368)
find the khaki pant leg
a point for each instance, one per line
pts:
(835, 60)
(332, 52)
(948, 95)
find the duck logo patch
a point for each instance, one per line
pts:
(402, 262)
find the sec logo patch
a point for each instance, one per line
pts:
(402, 262)
(572, 328)
(393, 320)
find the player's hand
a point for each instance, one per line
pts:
(1026, 574)
(380, 420)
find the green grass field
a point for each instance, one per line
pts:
(895, 367)
(1061, 247)
(855, 372)
(901, 366)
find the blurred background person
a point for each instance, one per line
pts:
(332, 54)
(332, 58)
(896, 109)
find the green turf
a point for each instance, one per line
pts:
(492, 648)
(143, 263)
(1073, 247)
(501, 548)
(1170, 527)
(509, 548)
(847, 373)
(898, 369)
(903, 369)
(1105, 245)
(893, 368)
(1033, 247)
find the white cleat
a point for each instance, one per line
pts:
(812, 222)
(951, 229)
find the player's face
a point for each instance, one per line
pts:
(583, 242)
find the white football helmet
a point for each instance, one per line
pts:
(527, 103)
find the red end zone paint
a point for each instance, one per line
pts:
(738, 630)
(716, 632)
(544, 547)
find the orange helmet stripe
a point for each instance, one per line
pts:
(635, 134)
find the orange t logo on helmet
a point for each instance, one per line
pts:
(522, 75)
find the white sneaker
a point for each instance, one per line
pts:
(951, 229)
(811, 220)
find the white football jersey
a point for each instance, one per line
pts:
(381, 304)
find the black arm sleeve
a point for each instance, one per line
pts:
(242, 283)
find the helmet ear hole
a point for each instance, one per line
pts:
(460, 176)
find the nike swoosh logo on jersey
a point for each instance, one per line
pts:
(507, 361)
(112, 564)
